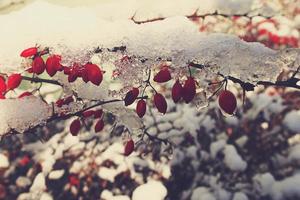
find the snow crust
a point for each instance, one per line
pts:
(233, 160)
(21, 114)
(175, 38)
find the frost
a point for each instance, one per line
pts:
(240, 196)
(21, 114)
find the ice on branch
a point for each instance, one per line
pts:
(17, 115)
(175, 38)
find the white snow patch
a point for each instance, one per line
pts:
(152, 190)
(233, 160)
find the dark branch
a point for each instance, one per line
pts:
(41, 80)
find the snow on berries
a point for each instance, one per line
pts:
(131, 96)
(162, 76)
(160, 103)
(129, 147)
(227, 102)
(141, 108)
(13, 81)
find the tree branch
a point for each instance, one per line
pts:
(41, 80)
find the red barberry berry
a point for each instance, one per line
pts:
(98, 113)
(25, 94)
(160, 103)
(2, 85)
(94, 73)
(29, 52)
(177, 91)
(13, 81)
(189, 90)
(227, 102)
(99, 125)
(38, 65)
(75, 127)
(141, 108)
(53, 65)
(129, 147)
(162, 76)
(88, 113)
(131, 96)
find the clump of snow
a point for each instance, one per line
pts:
(233, 160)
(21, 114)
(287, 188)
(294, 154)
(291, 120)
(202, 193)
(217, 146)
(240, 196)
(153, 190)
(39, 183)
(4, 162)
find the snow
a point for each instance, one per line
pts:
(13, 117)
(217, 146)
(287, 188)
(240, 196)
(202, 193)
(291, 120)
(233, 160)
(174, 38)
(294, 154)
(4, 162)
(152, 190)
(56, 174)
(39, 183)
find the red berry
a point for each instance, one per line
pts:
(84, 75)
(227, 102)
(75, 127)
(38, 65)
(73, 76)
(53, 65)
(189, 90)
(74, 181)
(98, 113)
(99, 126)
(162, 76)
(67, 70)
(131, 96)
(60, 102)
(88, 113)
(2, 96)
(141, 108)
(68, 100)
(129, 147)
(24, 94)
(2, 85)
(160, 103)
(94, 73)
(29, 52)
(14, 81)
(177, 91)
